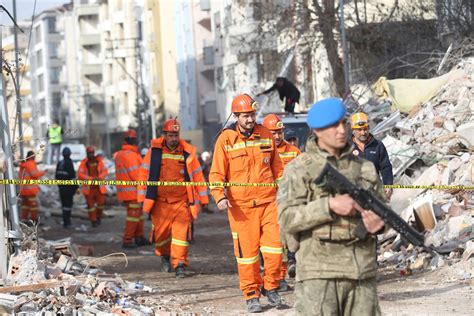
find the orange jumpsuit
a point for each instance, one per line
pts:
(253, 213)
(127, 168)
(95, 195)
(287, 153)
(29, 171)
(175, 206)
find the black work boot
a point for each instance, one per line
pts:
(129, 245)
(292, 268)
(142, 241)
(180, 271)
(165, 264)
(94, 224)
(253, 305)
(274, 299)
(283, 286)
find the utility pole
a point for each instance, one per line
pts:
(137, 88)
(88, 115)
(17, 90)
(11, 199)
(344, 49)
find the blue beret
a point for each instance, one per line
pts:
(325, 113)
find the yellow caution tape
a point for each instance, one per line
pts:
(433, 187)
(135, 183)
(204, 184)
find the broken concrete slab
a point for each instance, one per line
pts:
(401, 155)
(424, 213)
(467, 132)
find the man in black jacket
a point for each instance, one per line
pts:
(65, 171)
(286, 90)
(369, 148)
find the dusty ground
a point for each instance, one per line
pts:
(211, 285)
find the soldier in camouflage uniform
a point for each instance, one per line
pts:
(335, 270)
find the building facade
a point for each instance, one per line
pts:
(47, 73)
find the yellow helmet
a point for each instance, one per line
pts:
(359, 120)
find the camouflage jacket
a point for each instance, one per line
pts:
(324, 242)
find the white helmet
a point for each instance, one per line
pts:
(205, 156)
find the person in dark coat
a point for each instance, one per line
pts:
(366, 146)
(286, 90)
(65, 171)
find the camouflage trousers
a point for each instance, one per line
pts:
(337, 297)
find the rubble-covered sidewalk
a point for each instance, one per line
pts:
(62, 278)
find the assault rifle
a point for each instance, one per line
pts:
(332, 180)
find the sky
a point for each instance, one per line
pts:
(24, 8)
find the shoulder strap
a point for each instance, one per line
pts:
(154, 175)
(186, 173)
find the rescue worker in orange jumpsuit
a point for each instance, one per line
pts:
(172, 208)
(127, 168)
(93, 168)
(287, 153)
(246, 153)
(29, 171)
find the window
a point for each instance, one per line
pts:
(42, 107)
(208, 53)
(40, 83)
(54, 74)
(56, 99)
(52, 25)
(56, 103)
(38, 34)
(125, 102)
(210, 111)
(217, 19)
(112, 106)
(205, 5)
(53, 50)
(121, 33)
(39, 59)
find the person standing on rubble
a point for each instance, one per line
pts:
(287, 91)
(127, 168)
(55, 137)
(336, 270)
(172, 208)
(287, 153)
(65, 171)
(93, 168)
(372, 149)
(29, 202)
(246, 152)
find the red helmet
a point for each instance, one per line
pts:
(272, 122)
(171, 125)
(243, 104)
(130, 134)
(90, 149)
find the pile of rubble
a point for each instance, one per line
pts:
(433, 145)
(52, 276)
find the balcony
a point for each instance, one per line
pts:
(84, 10)
(89, 39)
(91, 69)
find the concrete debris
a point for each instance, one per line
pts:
(434, 145)
(51, 277)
